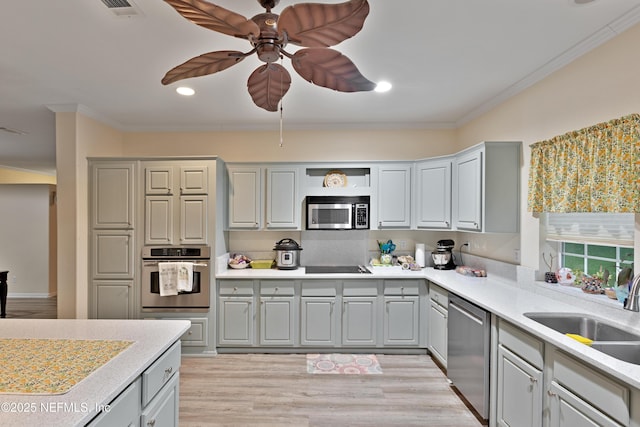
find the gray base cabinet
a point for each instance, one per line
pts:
(438, 313)
(321, 314)
(359, 321)
(318, 319)
(519, 401)
(581, 396)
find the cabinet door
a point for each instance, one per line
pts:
(158, 180)
(235, 321)
(519, 395)
(438, 332)
(158, 220)
(277, 321)
(394, 196)
(245, 186)
(193, 219)
(468, 191)
(568, 410)
(113, 299)
(162, 411)
(123, 411)
(113, 254)
(112, 195)
(318, 321)
(194, 180)
(283, 210)
(359, 321)
(433, 194)
(401, 319)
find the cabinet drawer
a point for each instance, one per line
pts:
(196, 335)
(360, 288)
(236, 287)
(276, 287)
(439, 295)
(402, 287)
(319, 288)
(160, 372)
(603, 393)
(521, 343)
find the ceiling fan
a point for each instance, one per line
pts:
(313, 26)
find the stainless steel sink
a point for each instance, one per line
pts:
(608, 339)
(625, 351)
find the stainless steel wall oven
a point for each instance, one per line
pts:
(197, 299)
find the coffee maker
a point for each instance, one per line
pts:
(443, 255)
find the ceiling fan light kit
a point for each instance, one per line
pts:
(313, 26)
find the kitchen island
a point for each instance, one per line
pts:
(95, 393)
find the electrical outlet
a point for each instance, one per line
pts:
(516, 255)
(468, 245)
(403, 244)
(14, 279)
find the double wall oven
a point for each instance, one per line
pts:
(198, 299)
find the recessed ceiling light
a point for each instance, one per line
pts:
(383, 87)
(186, 91)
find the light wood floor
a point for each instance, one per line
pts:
(32, 308)
(276, 390)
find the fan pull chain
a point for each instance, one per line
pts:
(281, 102)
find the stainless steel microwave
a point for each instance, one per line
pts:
(337, 212)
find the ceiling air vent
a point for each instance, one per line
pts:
(122, 7)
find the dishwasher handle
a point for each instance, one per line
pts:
(468, 309)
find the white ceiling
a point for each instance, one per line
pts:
(448, 60)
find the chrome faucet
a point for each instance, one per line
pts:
(633, 300)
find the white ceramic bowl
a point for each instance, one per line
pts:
(239, 266)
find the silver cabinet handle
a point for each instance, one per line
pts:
(151, 423)
(550, 393)
(533, 380)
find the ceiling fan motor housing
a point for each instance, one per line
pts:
(269, 43)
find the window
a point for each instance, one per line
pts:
(590, 258)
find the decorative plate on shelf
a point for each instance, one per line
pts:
(335, 178)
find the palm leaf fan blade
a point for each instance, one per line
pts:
(268, 84)
(331, 69)
(203, 65)
(215, 18)
(322, 25)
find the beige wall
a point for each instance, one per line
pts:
(599, 86)
(311, 145)
(17, 176)
(77, 138)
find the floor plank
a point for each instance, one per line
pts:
(32, 308)
(276, 390)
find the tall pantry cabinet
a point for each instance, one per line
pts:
(112, 219)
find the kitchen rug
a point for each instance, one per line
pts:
(51, 366)
(343, 364)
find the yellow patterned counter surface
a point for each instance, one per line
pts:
(51, 366)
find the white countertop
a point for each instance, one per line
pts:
(394, 272)
(78, 406)
(506, 300)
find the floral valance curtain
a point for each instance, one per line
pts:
(596, 169)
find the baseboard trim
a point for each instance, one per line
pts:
(29, 295)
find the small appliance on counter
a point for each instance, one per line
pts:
(420, 255)
(287, 254)
(443, 255)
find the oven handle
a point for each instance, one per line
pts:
(195, 264)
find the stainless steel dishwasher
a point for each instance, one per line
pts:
(469, 334)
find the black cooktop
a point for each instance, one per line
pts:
(336, 269)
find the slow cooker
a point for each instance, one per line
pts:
(287, 254)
